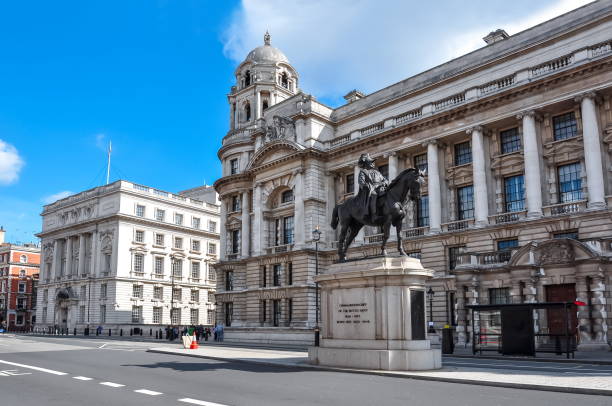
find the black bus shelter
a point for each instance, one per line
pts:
(509, 328)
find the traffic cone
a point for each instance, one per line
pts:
(194, 344)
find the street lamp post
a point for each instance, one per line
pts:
(316, 236)
(430, 296)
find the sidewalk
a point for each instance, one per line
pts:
(580, 357)
(574, 379)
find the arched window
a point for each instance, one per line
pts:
(23, 259)
(247, 112)
(264, 105)
(22, 273)
(284, 81)
(247, 78)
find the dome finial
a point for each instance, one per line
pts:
(267, 38)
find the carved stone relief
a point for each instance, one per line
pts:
(554, 252)
(281, 128)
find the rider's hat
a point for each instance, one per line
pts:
(365, 160)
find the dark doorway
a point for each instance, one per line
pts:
(517, 331)
(556, 316)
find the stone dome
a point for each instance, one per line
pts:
(266, 53)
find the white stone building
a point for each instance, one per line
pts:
(126, 256)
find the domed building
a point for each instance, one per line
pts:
(515, 140)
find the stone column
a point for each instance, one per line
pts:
(55, 264)
(80, 270)
(393, 165)
(222, 231)
(232, 115)
(592, 151)
(533, 181)
(330, 233)
(433, 187)
(68, 256)
(257, 221)
(298, 215)
(257, 105)
(479, 174)
(245, 234)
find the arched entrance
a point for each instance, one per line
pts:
(65, 305)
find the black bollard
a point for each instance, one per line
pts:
(109, 332)
(131, 332)
(141, 332)
(74, 331)
(121, 332)
(151, 332)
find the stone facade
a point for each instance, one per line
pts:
(515, 139)
(121, 256)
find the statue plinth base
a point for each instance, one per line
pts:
(373, 316)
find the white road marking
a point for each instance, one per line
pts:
(103, 345)
(112, 384)
(13, 372)
(199, 402)
(49, 371)
(148, 392)
(82, 378)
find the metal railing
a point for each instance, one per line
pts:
(564, 208)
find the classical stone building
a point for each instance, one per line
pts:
(126, 256)
(516, 141)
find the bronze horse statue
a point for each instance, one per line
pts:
(390, 210)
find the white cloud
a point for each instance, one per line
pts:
(345, 44)
(57, 196)
(10, 163)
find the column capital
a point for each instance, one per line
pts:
(297, 171)
(587, 95)
(390, 154)
(529, 113)
(431, 142)
(477, 128)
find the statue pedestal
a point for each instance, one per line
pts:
(373, 316)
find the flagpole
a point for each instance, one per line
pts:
(110, 148)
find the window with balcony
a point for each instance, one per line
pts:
(160, 215)
(564, 126)
(422, 211)
(287, 196)
(420, 162)
(195, 270)
(138, 263)
(465, 202)
(235, 246)
(233, 166)
(453, 253)
(276, 279)
(514, 193)
(159, 240)
(510, 140)
(229, 280)
(140, 210)
(139, 236)
(570, 182)
(195, 222)
(463, 153)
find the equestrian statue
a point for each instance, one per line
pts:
(378, 203)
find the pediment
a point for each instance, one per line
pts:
(563, 151)
(274, 151)
(561, 251)
(507, 161)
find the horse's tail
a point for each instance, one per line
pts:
(335, 218)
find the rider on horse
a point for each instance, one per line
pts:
(371, 185)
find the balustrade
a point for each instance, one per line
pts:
(414, 232)
(564, 208)
(552, 66)
(457, 225)
(508, 217)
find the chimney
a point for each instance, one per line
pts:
(2, 232)
(353, 95)
(496, 36)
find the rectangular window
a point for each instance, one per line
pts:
(287, 196)
(107, 262)
(21, 287)
(573, 235)
(160, 215)
(175, 316)
(463, 153)
(102, 313)
(177, 268)
(350, 183)
(83, 292)
(139, 236)
(510, 140)
(570, 183)
(276, 275)
(289, 273)
(420, 162)
(499, 296)
(195, 270)
(178, 243)
(507, 244)
(211, 317)
(233, 166)
(195, 316)
(157, 314)
(82, 314)
(158, 292)
(159, 266)
(195, 295)
(136, 314)
(229, 280)
(288, 230)
(212, 248)
(263, 311)
(138, 263)
(103, 290)
(564, 126)
(514, 193)
(465, 202)
(21, 303)
(44, 315)
(235, 203)
(195, 245)
(289, 310)
(263, 276)
(178, 219)
(159, 240)
(276, 309)
(422, 207)
(453, 253)
(140, 210)
(212, 226)
(235, 241)
(212, 275)
(137, 291)
(177, 294)
(195, 222)
(229, 313)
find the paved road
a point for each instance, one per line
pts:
(61, 371)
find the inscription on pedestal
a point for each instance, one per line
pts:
(353, 314)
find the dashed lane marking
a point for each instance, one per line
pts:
(48, 371)
(112, 384)
(103, 345)
(148, 392)
(82, 378)
(199, 402)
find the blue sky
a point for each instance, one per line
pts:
(153, 77)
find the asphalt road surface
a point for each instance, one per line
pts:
(67, 371)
